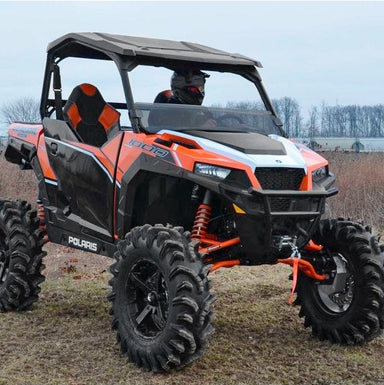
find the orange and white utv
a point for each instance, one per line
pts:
(174, 198)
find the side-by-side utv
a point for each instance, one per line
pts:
(173, 191)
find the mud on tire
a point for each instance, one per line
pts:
(161, 303)
(21, 256)
(350, 311)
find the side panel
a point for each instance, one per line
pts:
(142, 160)
(27, 132)
(79, 181)
(22, 143)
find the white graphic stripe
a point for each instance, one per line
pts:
(293, 157)
(175, 146)
(50, 181)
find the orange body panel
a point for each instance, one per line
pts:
(44, 161)
(313, 162)
(180, 155)
(27, 132)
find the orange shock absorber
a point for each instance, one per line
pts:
(202, 218)
(41, 216)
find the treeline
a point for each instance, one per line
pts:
(325, 120)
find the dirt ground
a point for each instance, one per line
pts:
(66, 339)
(62, 261)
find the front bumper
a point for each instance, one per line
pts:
(271, 215)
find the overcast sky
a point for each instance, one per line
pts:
(311, 51)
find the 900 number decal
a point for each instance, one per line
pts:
(157, 151)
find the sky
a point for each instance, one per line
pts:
(311, 51)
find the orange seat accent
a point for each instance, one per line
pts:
(88, 89)
(168, 93)
(74, 115)
(90, 116)
(108, 117)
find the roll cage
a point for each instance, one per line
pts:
(128, 52)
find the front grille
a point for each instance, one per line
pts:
(279, 178)
(280, 204)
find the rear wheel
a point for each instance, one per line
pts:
(21, 256)
(161, 303)
(347, 309)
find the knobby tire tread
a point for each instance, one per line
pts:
(364, 319)
(188, 325)
(23, 240)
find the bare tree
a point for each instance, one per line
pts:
(352, 121)
(22, 110)
(313, 122)
(288, 110)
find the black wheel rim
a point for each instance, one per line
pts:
(147, 293)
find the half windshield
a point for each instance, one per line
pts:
(158, 116)
(231, 103)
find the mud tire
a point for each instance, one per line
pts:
(360, 319)
(21, 256)
(161, 301)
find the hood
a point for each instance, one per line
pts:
(252, 149)
(246, 142)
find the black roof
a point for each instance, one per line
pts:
(107, 46)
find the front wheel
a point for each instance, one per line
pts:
(348, 308)
(161, 303)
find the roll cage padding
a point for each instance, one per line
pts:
(90, 115)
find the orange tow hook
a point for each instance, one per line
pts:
(306, 267)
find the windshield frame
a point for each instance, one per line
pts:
(250, 73)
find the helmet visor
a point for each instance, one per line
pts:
(196, 90)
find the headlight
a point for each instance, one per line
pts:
(211, 170)
(320, 174)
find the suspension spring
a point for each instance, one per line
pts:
(202, 219)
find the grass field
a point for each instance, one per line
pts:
(259, 338)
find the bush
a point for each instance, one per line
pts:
(360, 179)
(16, 183)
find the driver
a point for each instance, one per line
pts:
(187, 87)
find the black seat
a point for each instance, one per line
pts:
(162, 117)
(163, 97)
(90, 116)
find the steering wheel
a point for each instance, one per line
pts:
(203, 116)
(221, 119)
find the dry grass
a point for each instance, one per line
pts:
(16, 183)
(259, 339)
(360, 179)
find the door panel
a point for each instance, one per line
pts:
(85, 186)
